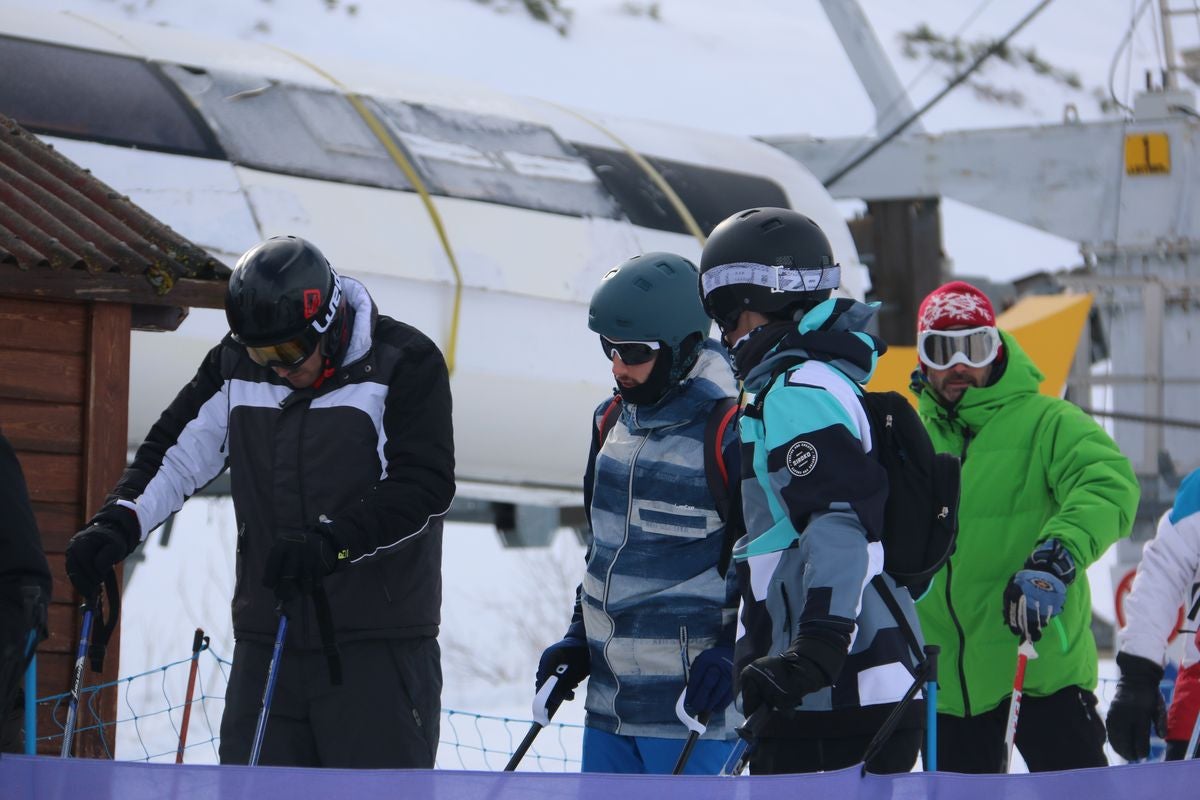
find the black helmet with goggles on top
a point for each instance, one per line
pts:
(775, 261)
(282, 298)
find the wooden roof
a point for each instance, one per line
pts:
(64, 234)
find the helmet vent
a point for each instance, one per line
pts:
(643, 284)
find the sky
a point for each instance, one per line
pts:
(754, 67)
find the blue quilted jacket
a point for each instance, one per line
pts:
(652, 599)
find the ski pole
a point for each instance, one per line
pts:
(76, 683)
(31, 697)
(696, 727)
(747, 733)
(269, 691)
(931, 679)
(1195, 738)
(1025, 652)
(893, 719)
(199, 642)
(541, 716)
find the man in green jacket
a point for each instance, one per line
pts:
(1045, 492)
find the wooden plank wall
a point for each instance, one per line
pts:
(64, 396)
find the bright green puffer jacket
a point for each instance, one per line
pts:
(1034, 468)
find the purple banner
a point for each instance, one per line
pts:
(45, 778)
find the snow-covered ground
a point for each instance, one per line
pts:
(501, 607)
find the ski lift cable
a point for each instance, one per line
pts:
(962, 76)
(903, 95)
(1126, 42)
(882, 114)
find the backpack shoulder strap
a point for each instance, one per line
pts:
(722, 414)
(889, 600)
(608, 420)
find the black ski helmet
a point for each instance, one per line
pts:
(771, 260)
(282, 290)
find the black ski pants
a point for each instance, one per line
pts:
(773, 756)
(385, 715)
(1059, 731)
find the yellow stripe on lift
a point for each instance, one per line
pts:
(655, 176)
(397, 155)
(1048, 328)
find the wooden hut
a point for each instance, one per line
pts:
(80, 267)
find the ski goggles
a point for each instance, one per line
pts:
(631, 353)
(975, 347)
(286, 355)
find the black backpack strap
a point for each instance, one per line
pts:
(889, 600)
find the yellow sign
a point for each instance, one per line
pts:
(1147, 154)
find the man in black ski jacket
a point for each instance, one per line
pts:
(334, 421)
(24, 593)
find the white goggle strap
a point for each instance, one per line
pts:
(777, 279)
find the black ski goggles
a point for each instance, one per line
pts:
(631, 353)
(286, 355)
(975, 347)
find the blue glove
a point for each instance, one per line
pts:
(1036, 594)
(572, 652)
(710, 681)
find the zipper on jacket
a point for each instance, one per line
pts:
(612, 565)
(962, 642)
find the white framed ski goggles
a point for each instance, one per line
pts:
(974, 347)
(632, 353)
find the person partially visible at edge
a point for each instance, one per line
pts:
(24, 595)
(1045, 492)
(1167, 577)
(654, 617)
(334, 421)
(819, 652)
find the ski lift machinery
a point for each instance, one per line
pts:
(1124, 189)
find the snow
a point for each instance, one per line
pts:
(501, 607)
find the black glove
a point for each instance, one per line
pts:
(710, 681)
(299, 560)
(572, 652)
(1137, 706)
(1036, 594)
(782, 681)
(109, 537)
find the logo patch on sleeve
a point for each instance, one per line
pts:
(801, 459)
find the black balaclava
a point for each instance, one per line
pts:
(668, 372)
(656, 384)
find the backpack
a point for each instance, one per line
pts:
(723, 491)
(920, 519)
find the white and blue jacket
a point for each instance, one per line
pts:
(813, 496)
(652, 598)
